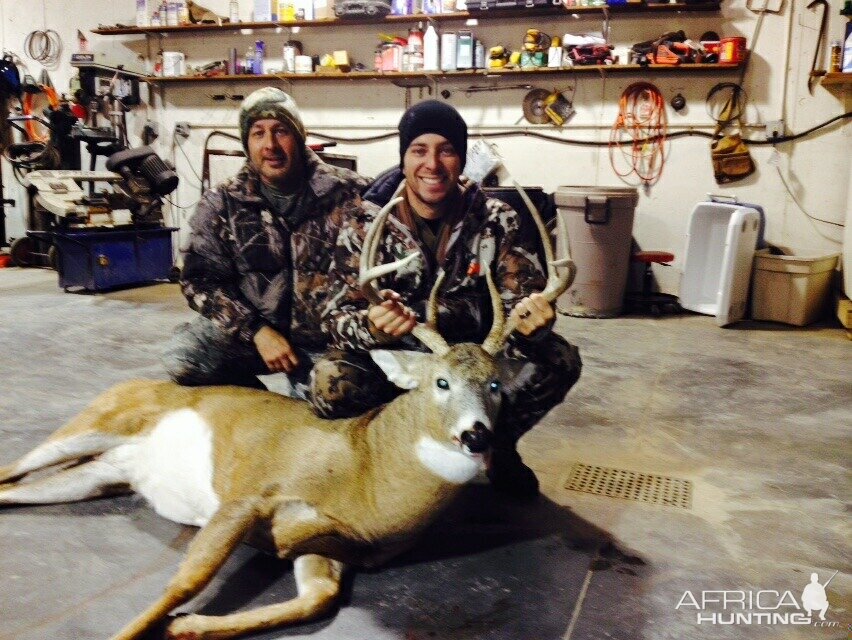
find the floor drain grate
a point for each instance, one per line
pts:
(630, 485)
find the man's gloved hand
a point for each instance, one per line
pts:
(532, 314)
(275, 350)
(391, 317)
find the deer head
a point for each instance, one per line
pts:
(463, 381)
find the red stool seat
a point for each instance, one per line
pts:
(651, 257)
(647, 300)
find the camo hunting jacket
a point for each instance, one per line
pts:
(489, 234)
(246, 267)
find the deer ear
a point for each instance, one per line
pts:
(400, 367)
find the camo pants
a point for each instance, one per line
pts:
(347, 384)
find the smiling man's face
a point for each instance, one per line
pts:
(432, 169)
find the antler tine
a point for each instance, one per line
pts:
(494, 341)
(556, 284)
(369, 273)
(432, 308)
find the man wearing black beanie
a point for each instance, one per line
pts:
(456, 229)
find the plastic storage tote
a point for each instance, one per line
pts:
(720, 244)
(791, 289)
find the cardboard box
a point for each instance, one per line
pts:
(791, 289)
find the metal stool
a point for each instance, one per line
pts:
(649, 301)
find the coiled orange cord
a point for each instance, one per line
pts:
(638, 136)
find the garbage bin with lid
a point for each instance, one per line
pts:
(599, 221)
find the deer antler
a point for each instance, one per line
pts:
(368, 273)
(556, 284)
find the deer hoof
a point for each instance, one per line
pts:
(181, 628)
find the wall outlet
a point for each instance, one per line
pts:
(774, 129)
(182, 129)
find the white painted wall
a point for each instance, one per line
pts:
(817, 170)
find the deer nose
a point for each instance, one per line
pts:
(478, 439)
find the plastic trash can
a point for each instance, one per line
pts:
(599, 221)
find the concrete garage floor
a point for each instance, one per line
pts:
(757, 417)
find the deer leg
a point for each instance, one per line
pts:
(58, 450)
(318, 585)
(295, 522)
(207, 552)
(88, 480)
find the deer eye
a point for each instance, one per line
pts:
(442, 383)
(494, 386)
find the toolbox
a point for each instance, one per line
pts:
(102, 260)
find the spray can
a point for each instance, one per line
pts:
(479, 55)
(234, 11)
(291, 50)
(415, 48)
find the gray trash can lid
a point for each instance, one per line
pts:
(576, 196)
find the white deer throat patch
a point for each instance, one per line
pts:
(446, 462)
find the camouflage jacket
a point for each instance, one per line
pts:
(489, 234)
(245, 267)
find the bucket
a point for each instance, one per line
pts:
(599, 221)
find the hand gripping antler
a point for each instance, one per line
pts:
(556, 284)
(368, 273)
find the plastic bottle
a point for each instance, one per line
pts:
(259, 55)
(554, 54)
(142, 19)
(431, 58)
(415, 48)
(248, 62)
(234, 11)
(836, 57)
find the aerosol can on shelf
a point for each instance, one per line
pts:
(431, 58)
(415, 48)
(234, 11)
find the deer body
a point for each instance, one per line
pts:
(327, 492)
(231, 460)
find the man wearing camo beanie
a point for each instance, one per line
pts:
(258, 254)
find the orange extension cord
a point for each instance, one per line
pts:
(638, 136)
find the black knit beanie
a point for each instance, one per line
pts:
(433, 116)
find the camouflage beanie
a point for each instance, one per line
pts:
(270, 102)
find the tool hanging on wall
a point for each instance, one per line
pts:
(639, 134)
(541, 106)
(533, 106)
(815, 73)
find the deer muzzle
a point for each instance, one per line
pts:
(477, 439)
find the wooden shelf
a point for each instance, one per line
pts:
(412, 78)
(188, 29)
(836, 79)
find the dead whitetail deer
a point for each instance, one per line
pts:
(327, 492)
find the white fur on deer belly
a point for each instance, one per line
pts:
(447, 462)
(172, 468)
